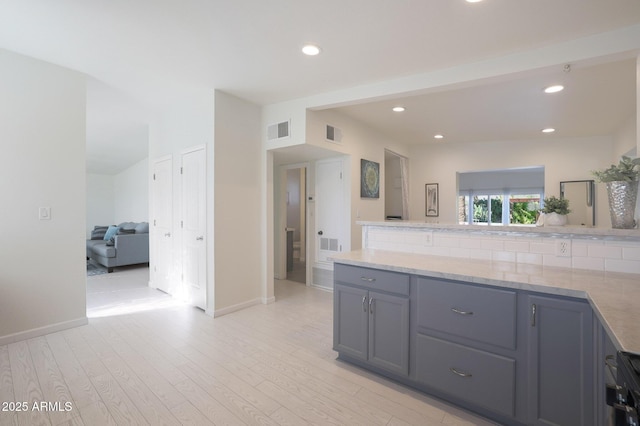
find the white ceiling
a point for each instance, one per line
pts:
(251, 48)
(597, 101)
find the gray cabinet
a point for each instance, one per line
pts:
(370, 323)
(606, 372)
(561, 348)
(515, 356)
(465, 343)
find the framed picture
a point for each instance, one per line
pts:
(431, 198)
(369, 179)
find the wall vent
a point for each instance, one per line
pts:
(334, 134)
(329, 244)
(278, 130)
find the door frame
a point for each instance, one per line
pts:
(280, 234)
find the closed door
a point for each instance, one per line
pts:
(329, 208)
(561, 379)
(389, 332)
(162, 196)
(194, 245)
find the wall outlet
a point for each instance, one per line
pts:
(428, 238)
(563, 248)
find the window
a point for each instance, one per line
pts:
(516, 203)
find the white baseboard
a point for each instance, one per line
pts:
(41, 331)
(268, 300)
(319, 287)
(233, 308)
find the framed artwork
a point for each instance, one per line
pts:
(431, 198)
(369, 179)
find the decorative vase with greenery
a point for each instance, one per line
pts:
(555, 211)
(622, 188)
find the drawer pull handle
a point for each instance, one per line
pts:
(459, 373)
(364, 303)
(457, 311)
(370, 280)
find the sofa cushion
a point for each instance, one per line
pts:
(127, 225)
(122, 231)
(98, 232)
(112, 231)
(142, 228)
(104, 250)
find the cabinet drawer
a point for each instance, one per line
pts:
(483, 314)
(372, 279)
(479, 377)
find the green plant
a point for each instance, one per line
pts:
(556, 205)
(626, 170)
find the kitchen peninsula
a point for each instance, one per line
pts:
(525, 316)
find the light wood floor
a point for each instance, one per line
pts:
(266, 365)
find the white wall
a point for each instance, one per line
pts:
(238, 181)
(187, 122)
(112, 199)
(42, 266)
(131, 193)
(563, 159)
(100, 201)
(359, 142)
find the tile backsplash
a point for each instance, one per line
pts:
(579, 253)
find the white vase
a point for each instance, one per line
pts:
(555, 219)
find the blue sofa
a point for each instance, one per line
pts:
(119, 245)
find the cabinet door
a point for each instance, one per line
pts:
(389, 332)
(561, 378)
(350, 321)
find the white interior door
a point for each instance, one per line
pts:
(329, 208)
(194, 216)
(162, 224)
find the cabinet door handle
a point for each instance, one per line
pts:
(533, 315)
(459, 373)
(370, 280)
(457, 311)
(371, 306)
(364, 303)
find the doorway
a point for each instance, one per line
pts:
(296, 224)
(396, 204)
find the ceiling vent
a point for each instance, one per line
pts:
(334, 134)
(278, 130)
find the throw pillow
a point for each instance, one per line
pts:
(113, 230)
(126, 231)
(98, 232)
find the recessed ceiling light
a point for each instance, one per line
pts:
(311, 50)
(398, 108)
(438, 136)
(548, 130)
(474, 1)
(554, 89)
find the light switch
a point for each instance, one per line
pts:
(44, 213)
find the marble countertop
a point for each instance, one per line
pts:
(614, 296)
(544, 231)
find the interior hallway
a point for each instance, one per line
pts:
(268, 365)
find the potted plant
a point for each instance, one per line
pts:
(622, 189)
(555, 211)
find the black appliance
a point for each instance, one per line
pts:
(624, 396)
